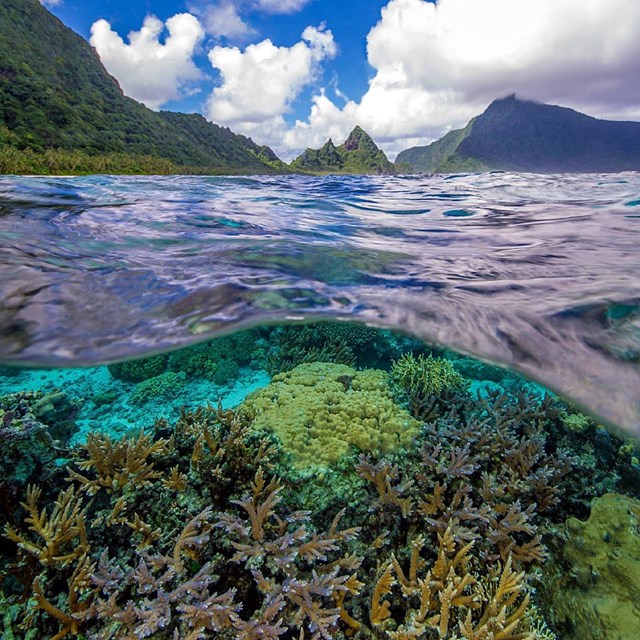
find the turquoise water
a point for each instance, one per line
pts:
(192, 447)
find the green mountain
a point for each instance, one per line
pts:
(358, 154)
(60, 110)
(518, 135)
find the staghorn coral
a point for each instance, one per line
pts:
(491, 473)
(114, 466)
(383, 474)
(447, 600)
(320, 410)
(292, 564)
(221, 449)
(61, 537)
(160, 593)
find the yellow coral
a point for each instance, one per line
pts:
(319, 410)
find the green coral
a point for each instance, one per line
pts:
(218, 360)
(166, 386)
(139, 369)
(426, 376)
(576, 421)
(597, 596)
(320, 410)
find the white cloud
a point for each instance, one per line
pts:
(280, 6)
(223, 20)
(51, 3)
(260, 83)
(147, 69)
(437, 65)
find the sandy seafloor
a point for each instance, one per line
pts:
(123, 417)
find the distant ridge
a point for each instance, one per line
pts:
(56, 94)
(359, 154)
(519, 135)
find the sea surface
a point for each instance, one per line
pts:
(538, 273)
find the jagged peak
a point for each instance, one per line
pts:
(356, 137)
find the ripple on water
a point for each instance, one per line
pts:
(520, 269)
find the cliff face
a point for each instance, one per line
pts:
(517, 135)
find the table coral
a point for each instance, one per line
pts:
(597, 597)
(320, 410)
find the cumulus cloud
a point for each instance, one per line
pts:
(280, 6)
(147, 69)
(437, 65)
(222, 20)
(260, 82)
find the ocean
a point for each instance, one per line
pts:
(320, 407)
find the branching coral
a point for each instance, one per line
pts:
(430, 383)
(383, 475)
(159, 594)
(292, 346)
(296, 569)
(222, 449)
(448, 601)
(61, 537)
(117, 465)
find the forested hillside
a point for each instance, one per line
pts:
(56, 94)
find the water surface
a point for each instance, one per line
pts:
(538, 273)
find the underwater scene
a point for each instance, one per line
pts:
(320, 408)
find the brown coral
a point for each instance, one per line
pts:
(116, 465)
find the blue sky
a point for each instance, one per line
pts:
(291, 73)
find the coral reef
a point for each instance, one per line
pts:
(320, 508)
(166, 386)
(320, 410)
(140, 369)
(596, 595)
(431, 384)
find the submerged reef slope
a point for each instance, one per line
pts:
(397, 503)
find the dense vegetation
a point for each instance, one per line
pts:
(517, 135)
(358, 154)
(56, 95)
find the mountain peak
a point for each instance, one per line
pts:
(358, 154)
(358, 137)
(523, 135)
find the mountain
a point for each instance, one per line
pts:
(56, 94)
(518, 135)
(358, 154)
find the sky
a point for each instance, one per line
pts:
(293, 73)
